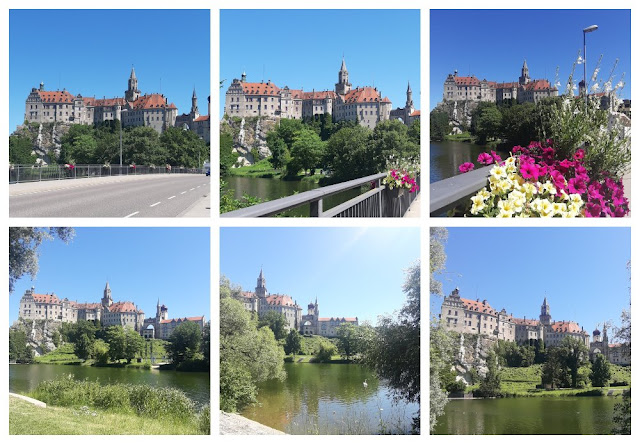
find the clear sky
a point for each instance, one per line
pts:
(90, 52)
(582, 271)
(304, 50)
(492, 44)
(141, 264)
(352, 271)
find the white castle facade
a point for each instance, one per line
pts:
(364, 104)
(261, 302)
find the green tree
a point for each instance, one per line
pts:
(141, 146)
(414, 132)
(439, 126)
(23, 249)
(79, 140)
(349, 341)
(205, 347)
(117, 341)
(184, 342)
(277, 322)
(248, 355)
(307, 150)
(293, 343)
(348, 154)
(21, 150)
(101, 351)
(227, 156)
(489, 124)
(622, 415)
(183, 148)
(600, 371)
(83, 337)
(490, 384)
(325, 352)
(576, 356)
(288, 129)
(554, 370)
(391, 138)
(134, 344)
(19, 350)
(280, 156)
(519, 123)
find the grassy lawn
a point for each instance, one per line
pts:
(27, 419)
(61, 355)
(264, 169)
(463, 137)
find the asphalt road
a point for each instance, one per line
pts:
(140, 196)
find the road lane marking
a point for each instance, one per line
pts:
(198, 186)
(183, 192)
(132, 214)
(153, 205)
(169, 198)
(192, 189)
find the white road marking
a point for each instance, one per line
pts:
(192, 189)
(169, 198)
(183, 192)
(132, 214)
(198, 186)
(153, 205)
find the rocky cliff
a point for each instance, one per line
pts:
(249, 137)
(40, 334)
(46, 139)
(459, 113)
(471, 353)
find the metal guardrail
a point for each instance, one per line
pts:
(377, 202)
(33, 173)
(446, 193)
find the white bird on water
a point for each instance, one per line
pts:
(364, 384)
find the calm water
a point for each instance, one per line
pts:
(24, 378)
(271, 189)
(515, 416)
(329, 399)
(446, 157)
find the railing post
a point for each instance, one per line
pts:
(378, 184)
(18, 177)
(315, 208)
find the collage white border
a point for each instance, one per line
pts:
(215, 222)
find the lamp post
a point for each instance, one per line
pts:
(584, 45)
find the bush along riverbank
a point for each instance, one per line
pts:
(140, 403)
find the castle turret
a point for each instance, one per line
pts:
(243, 78)
(132, 93)
(106, 298)
(261, 286)
(343, 86)
(545, 313)
(194, 104)
(409, 103)
(524, 78)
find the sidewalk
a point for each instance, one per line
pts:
(414, 208)
(201, 208)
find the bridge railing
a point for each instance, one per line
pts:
(378, 201)
(447, 193)
(34, 173)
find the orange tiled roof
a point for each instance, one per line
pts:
(467, 81)
(364, 95)
(262, 89)
(56, 96)
(342, 319)
(507, 85)
(201, 119)
(566, 327)
(123, 307)
(46, 298)
(110, 102)
(296, 93)
(192, 318)
(152, 101)
(537, 85)
(415, 113)
(280, 299)
(530, 322)
(478, 307)
(318, 95)
(89, 306)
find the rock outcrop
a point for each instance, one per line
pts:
(40, 334)
(46, 139)
(472, 356)
(459, 112)
(249, 137)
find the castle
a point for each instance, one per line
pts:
(457, 88)
(134, 109)
(363, 104)
(261, 302)
(34, 306)
(476, 317)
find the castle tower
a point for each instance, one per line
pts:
(343, 86)
(261, 286)
(162, 313)
(605, 342)
(106, 298)
(132, 93)
(545, 313)
(244, 77)
(524, 78)
(596, 336)
(194, 104)
(409, 103)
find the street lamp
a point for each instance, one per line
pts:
(584, 62)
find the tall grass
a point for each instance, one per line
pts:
(142, 400)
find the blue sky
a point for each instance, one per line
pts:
(492, 44)
(381, 48)
(352, 271)
(582, 271)
(141, 264)
(95, 58)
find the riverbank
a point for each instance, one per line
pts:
(28, 419)
(233, 424)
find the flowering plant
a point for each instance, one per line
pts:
(69, 166)
(133, 165)
(534, 182)
(402, 174)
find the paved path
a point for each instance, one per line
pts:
(232, 424)
(35, 402)
(174, 195)
(414, 208)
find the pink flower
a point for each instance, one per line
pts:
(594, 191)
(466, 167)
(558, 180)
(485, 159)
(577, 185)
(548, 152)
(529, 171)
(620, 211)
(593, 210)
(579, 154)
(564, 165)
(496, 157)
(582, 172)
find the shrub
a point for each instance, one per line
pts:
(204, 420)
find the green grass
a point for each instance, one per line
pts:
(61, 355)
(261, 168)
(620, 374)
(463, 137)
(27, 419)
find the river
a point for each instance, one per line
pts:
(445, 157)
(584, 415)
(23, 378)
(330, 399)
(271, 189)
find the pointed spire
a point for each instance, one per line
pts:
(194, 93)
(261, 275)
(133, 73)
(344, 65)
(524, 65)
(107, 286)
(408, 87)
(158, 304)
